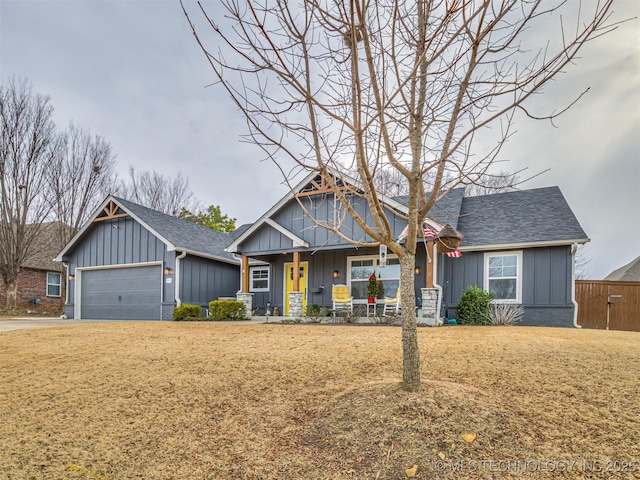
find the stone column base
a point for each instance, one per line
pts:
(247, 299)
(430, 307)
(295, 304)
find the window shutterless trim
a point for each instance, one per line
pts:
(518, 276)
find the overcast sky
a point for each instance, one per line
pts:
(131, 72)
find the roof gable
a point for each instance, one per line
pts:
(174, 232)
(312, 184)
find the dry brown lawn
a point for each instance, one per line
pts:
(209, 401)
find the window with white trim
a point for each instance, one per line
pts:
(361, 268)
(259, 279)
(54, 284)
(503, 276)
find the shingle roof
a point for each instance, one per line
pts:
(240, 230)
(181, 233)
(528, 216)
(629, 273)
(46, 246)
(446, 210)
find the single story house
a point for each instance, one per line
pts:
(132, 262)
(627, 273)
(41, 281)
(520, 245)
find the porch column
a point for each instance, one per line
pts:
(244, 275)
(429, 265)
(296, 271)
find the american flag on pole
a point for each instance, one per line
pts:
(428, 231)
(456, 254)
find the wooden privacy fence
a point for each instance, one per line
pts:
(608, 305)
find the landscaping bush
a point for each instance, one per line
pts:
(506, 313)
(474, 307)
(227, 309)
(187, 310)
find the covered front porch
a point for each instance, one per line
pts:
(299, 284)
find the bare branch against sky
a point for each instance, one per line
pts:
(130, 74)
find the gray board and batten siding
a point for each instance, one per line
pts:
(266, 240)
(115, 245)
(109, 257)
(202, 280)
(537, 223)
(546, 283)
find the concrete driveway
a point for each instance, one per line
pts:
(26, 323)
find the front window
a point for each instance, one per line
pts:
(361, 268)
(503, 276)
(54, 285)
(259, 279)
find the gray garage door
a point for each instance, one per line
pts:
(122, 293)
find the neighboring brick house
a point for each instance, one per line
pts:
(41, 282)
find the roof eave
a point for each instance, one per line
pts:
(195, 253)
(512, 246)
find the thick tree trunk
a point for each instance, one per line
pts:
(410, 351)
(12, 293)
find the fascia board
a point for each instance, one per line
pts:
(195, 253)
(511, 246)
(233, 247)
(297, 241)
(89, 224)
(84, 228)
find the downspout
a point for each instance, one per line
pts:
(177, 282)
(66, 290)
(436, 285)
(574, 249)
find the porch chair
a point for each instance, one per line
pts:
(341, 298)
(391, 305)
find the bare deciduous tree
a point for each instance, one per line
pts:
(28, 151)
(359, 86)
(154, 190)
(82, 177)
(492, 183)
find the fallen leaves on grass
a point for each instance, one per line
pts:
(176, 400)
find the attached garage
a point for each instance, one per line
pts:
(125, 293)
(129, 262)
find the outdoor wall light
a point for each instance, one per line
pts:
(417, 270)
(336, 274)
(72, 277)
(168, 271)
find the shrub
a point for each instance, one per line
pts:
(474, 307)
(186, 310)
(506, 313)
(227, 309)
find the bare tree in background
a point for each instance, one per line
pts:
(582, 262)
(82, 177)
(154, 190)
(359, 86)
(493, 183)
(28, 152)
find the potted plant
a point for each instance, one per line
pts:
(373, 288)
